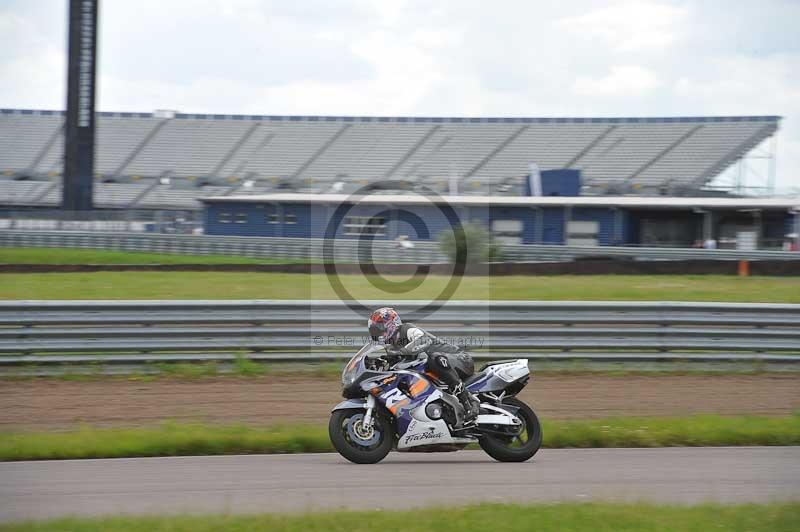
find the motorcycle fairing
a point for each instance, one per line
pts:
(430, 432)
(497, 377)
(351, 403)
(405, 395)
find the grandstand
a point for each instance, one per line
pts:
(169, 160)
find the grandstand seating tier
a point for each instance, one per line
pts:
(251, 154)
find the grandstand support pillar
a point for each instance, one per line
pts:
(329, 211)
(797, 229)
(759, 227)
(538, 227)
(394, 231)
(565, 228)
(279, 212)
(617, 236)
(708, 225)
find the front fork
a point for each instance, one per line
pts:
(366, 422)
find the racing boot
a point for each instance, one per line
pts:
(470, 404)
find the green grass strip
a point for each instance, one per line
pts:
(173, 439)
(576, 517)
(245, 368)
(270, 285)
(687, 431)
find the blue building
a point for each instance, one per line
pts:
(589, 220)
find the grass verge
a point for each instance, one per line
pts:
(268, 285)
(577, 517)
(245, 368)
(173, 439)
(241, 367)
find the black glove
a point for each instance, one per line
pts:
(394, 352)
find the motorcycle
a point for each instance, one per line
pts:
(400, 406)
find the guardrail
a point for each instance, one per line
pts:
(526, 253)
(347, 250)
(171, 221)
(344, 250)
(139, 332)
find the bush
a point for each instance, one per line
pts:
(470, 244)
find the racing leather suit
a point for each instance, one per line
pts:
(412, 341)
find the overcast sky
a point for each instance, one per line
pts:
(459, 58)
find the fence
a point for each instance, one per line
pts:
(344, 250)
(170, 221)
(347, 250)
(139, 332)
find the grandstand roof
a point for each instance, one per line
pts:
(488, 155)
(543, 201)
(413, 119)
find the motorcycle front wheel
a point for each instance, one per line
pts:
(516, 448)
(359, 444)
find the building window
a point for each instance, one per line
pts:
(290, 219)
(365, 225)
(274, 219)
(507, 231)
(224, 218)
(582, 233)
(241, 217)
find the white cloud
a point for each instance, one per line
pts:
(406, 57)
(763, 85)
(43, 74)
(629, 26)
(623, 80)
(730, 82)
(405, 68)
(32, 62)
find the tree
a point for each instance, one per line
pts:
(470, 243)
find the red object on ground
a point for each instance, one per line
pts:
(744, 268)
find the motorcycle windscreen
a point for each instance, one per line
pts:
(356, 365)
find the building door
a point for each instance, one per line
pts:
(669, 232)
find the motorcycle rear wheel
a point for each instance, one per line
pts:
(515, 448)
(358, 444)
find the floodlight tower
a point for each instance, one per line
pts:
(80, 120)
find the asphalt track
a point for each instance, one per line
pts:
(285, 483)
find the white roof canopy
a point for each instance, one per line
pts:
(538, 201)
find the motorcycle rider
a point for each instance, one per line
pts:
(405, 340)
